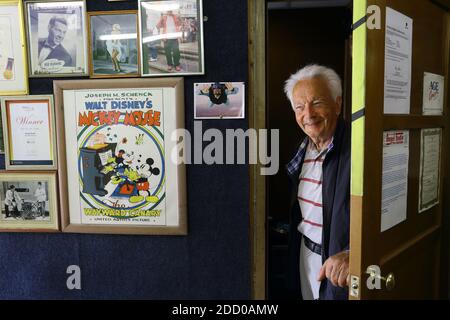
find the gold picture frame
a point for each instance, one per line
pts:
(102, 64)
(13, 64)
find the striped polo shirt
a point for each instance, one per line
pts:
(310, 193)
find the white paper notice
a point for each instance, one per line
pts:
(433, 94)
(430, 152)
(395, 178)
(398, 59)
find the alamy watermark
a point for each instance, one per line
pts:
(374, 279)
(373, 17)
(234, 146)
(74, 280)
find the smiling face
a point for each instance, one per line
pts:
(315, 109)
(56, 33)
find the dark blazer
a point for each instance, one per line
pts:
(59, 52)
(336, 213)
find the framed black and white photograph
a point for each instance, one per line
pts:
(171, 37)
(113, 44)
(28, 201)
(57, 41)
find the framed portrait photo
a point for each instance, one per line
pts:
(29, 132)
(13, 62)
(116, 173)
(28, 202)
(171, 37)
(57, 41)
(113, 44)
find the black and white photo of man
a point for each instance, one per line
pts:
(13, 202)
(56, 38)
(51, 47)
(41, 197)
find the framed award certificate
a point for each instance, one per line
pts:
(28, 130)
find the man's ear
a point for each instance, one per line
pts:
(338, 105)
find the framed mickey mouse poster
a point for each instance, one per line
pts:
(116, 174)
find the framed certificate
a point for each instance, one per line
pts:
(28, 202)
(115, 164)
(28, 129)
(13, 63)
(57, 41)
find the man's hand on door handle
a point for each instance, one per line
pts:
(336, 269)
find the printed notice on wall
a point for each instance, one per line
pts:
(398, 58)
(395, 178)
(430, 152)
(433, 94)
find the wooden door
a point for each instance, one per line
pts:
(415, 249)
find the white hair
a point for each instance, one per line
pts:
(312, 71)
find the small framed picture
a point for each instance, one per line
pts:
(113, 44)
(219, 100)
(13, 62)
(2, 141)
(57, 41)
(28, 201)
(171, 37)
(29, 132)
(116, 172)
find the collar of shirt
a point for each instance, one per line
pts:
(294, 165)
(47, 45)
(316, 154)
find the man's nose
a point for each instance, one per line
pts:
(309, 110)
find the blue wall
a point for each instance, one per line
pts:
(211, 262)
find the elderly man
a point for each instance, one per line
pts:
(320, 173)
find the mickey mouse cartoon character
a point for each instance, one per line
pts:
(145, 171)
(123, 161)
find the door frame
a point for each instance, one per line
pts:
(257, 16)
(257, 120)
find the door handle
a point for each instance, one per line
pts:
(389, 280)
